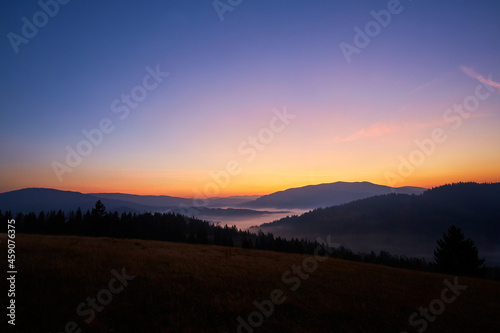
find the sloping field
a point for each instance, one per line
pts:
(67, 284)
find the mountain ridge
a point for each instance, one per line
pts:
(402, 223)
(326, 195)
(39, 198)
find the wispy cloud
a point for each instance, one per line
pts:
(425, 85)
(472, 73)
(377, 129)
(381, 129)
(431, 83)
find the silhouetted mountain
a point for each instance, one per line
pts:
(405, 224)
(146, 200)
(233, 201)
(325, 195)
(44, 199)
(172, 202)
(206, 212)
(37, 199)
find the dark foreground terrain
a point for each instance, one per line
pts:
(68, 284)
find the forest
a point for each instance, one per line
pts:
(179, 228)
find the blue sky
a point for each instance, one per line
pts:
(225, 80)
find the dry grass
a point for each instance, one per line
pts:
(193, 288)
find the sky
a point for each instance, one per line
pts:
(218, 98)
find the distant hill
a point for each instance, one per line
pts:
(325, 195)
(405, 224)
(233, 201)
(225, 211)
(169, 201)
(308, 197)
(146, 200)
(206, 213)
(44, 199)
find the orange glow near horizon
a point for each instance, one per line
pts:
(242, 185)
(256, 191)
(312, 146)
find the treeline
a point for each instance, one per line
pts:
(170, 227)
(472, 206)
(178, 228)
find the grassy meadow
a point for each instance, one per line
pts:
(197, 288)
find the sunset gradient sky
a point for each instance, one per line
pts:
(432, 72)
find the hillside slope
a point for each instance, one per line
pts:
(325, 195)
(194, 288)
(405, 224)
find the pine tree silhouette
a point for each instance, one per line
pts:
(457, 255)
(99, 210)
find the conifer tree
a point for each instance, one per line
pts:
(457, 255)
